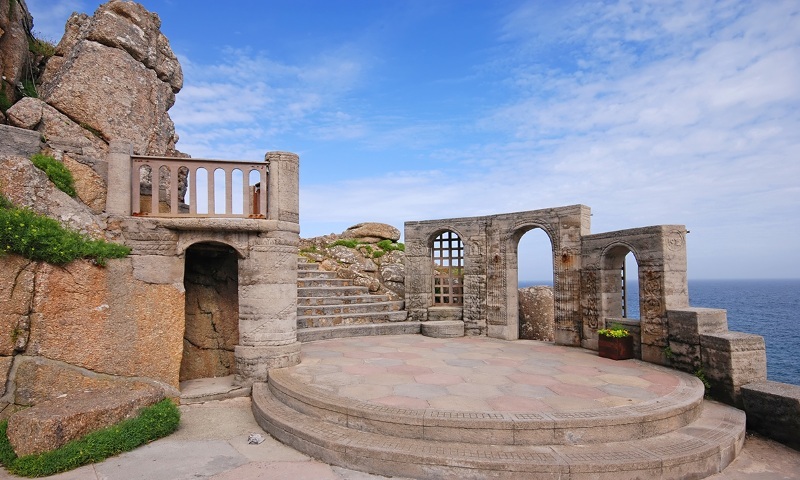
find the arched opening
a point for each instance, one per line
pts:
(211, 281)
(447, 253)
(535, 286)
(620, 292)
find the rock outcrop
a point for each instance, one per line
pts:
(115, 75)
(15, 59)
(359, 255)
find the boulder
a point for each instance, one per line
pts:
(15, 26)
(51, 424)
(372, 232)
(536, 313)
(115, 75)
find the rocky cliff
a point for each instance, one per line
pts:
(80, 326)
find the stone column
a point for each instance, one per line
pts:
(268, 280)
(283, 198)
(118, 198)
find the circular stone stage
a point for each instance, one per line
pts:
(475, 407)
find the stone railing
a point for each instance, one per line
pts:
(215, 188)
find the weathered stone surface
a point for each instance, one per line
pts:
(90, 187)
(52, 424)
(5, 366)
(212, 314)
(18, 141)
(372, 232)
(16, 295)
(121, 321)
(116, 75)
(536, 313)
(27, 186)
(38, 379)
(730, 360)
(773, 409)
(15, 25)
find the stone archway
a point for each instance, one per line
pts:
(212, 311)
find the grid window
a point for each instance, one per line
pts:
(448, 266)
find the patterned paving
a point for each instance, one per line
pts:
(478, 374)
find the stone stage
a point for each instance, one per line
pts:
(475, 407)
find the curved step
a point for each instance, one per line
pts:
(647, 419)
(306, 335)
(699, 449)
(332, 291)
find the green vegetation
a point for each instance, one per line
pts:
(344, 243)
(388, 246)
(41, 46)
(699, 373)
(56, 172)
(41, 238)
(5, 103)
(378, 253)
(153, 422)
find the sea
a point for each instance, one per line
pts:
(770, 308)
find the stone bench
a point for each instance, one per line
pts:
(773, 409)
(53, 423)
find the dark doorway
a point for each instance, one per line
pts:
(211, 281)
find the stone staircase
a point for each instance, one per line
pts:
(331, 307)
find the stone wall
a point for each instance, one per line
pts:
(536, 313)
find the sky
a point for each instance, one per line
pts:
(648, 111)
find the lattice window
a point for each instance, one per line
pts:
(448, 266)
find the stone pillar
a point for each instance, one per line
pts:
(118, 198)
(283, 198)
(419, 276)
(268, 280)
(732, 360)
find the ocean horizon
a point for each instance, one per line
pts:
(766, 307)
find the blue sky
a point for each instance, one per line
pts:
(649, 112)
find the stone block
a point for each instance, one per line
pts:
(730, 360)
(443, 329)
(53, 423)
(254, 362)
(773, 409)
(444, 313)
(19, 142)
(687, 324)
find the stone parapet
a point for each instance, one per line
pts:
(731, 360)
(773, 409)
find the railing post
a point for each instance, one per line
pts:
(118, 198)
(283, 186)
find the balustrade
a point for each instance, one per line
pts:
(209, 185)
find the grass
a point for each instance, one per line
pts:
(344, 243)
(56, 172)
(388, 246)
(153, 422)
(41, 46)
(40, 238)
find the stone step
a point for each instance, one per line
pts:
(331, 291)
(345, 331)
(342, 300)
(702, 448)
(344, 309)
(315, 274)
(642, 420)
(314, 321)
(307, 265)
(323, 282)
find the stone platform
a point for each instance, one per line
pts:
(474, 407)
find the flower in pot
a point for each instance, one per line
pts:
(615, 343)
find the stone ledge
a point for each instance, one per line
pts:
(306, 335)
(443, 329)
(53, 423)
(773, 409)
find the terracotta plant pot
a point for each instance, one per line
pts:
(615, 348)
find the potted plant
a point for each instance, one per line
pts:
(615, 343)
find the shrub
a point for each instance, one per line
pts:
(389, 245)
(40, 238)
(344, 243)
(56, 172)
(153, 422)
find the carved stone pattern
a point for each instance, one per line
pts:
(652, 308)
(676, 241)
(592, 313)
